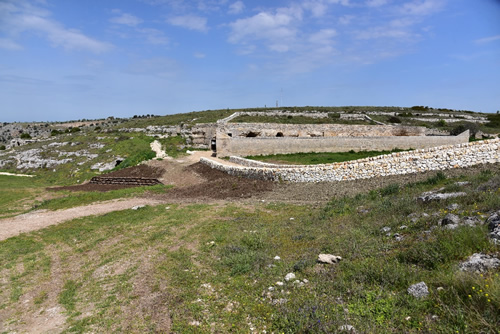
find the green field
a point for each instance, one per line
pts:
(318, 158)
(198, 268)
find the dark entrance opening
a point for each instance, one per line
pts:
(279, 134)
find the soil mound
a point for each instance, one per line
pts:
(219, 185)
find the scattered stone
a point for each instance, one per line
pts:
(408, 318)
(305, 280)
(195, 323)
(398, 237)
(280, 301)
(279, 283)
(347, 328)
(479, 263)
(403, 227)
(292, 218)
(386, 229)
(167, 208)
(277, 258)
(440, 288)
(471, 221)
(298, 283)
(329, 258)
(289, 276)
(493, 223)
(419, 290)
(271, 288)
(428, 197)
(464, 183)
(450, 219)
(453, 207)
(137, 207)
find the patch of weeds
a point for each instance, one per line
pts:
(241, 259)
(445, 247)
(440, 177)
(67, 297)
(391, 189)
(42, 296)
(375, 306)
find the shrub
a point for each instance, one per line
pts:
(394, 119)
(2, 147)
(472, 127)
(25, 136)
(494, 121)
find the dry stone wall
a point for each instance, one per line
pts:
(436, 158)
(271, 130)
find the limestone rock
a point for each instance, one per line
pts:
(329, 258)
(479, 263)
(419, 290)
(493, 223)
(450, 219)
(431, 196)
(347, 329)
(289, 276)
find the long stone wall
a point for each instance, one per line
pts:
(436, 158)
(268, 146)
(273, 130)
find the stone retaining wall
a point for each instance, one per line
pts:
(241, 146)
(137, 181)
(436, 158)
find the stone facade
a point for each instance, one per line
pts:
(436, 158)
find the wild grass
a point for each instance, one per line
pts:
(319, 158)
(212, 268)
(69, 199)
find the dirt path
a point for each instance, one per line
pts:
(37, 220)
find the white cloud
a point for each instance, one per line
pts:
(277, 30)
(376, 3)
(191, 22)
(154, 36)
(199, 55)
(236, 7)
(317, 8)
(323, 36)
(346, 19)
(25, 17)
(487, 39)
(126, 19)
(8, 44)
(422, 7)
(383, 32)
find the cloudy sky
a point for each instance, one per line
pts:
(73, 59)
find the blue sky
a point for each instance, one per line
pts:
(75, 59)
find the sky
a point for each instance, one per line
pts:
(74, 59)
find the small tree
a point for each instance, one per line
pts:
(25, 136)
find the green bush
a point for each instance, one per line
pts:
(394, 119)
(2, 147)
(25, 136)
